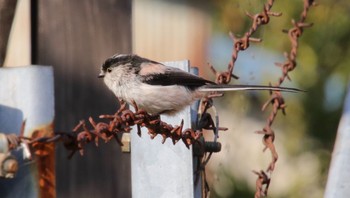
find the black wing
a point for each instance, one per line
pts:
(167, 76)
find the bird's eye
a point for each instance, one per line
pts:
(109, 70)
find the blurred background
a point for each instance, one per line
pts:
(77, 36)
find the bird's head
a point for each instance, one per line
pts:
(115, 61)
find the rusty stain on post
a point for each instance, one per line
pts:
(45, 157)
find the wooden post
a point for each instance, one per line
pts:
(7, 13)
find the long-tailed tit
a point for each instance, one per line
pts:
(160, 89)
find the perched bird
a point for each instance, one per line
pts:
(160, 89)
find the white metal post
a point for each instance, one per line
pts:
(338, 184)
(27, 93)
(162, 170)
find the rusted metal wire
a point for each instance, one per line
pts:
(225, 77)
(240, 44)
(120, 122)
(276, 99)
(111, 126)
(263, 179)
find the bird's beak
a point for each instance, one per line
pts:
(101, 75)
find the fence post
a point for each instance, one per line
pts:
(162, 170)
(338, 184)
(26, 93)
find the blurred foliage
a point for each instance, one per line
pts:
(323, 68)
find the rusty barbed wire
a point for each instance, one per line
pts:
(240, 44)
(118, 123)
(225, 77)
(276, 99)
(121, 122)
(263, 179)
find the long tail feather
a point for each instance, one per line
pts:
(247, 87)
